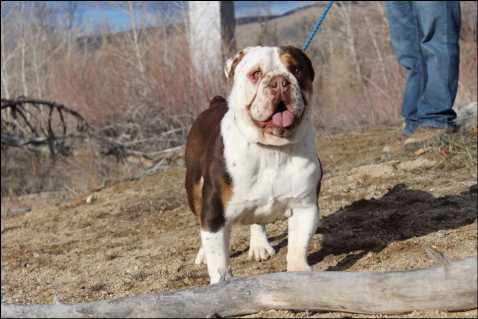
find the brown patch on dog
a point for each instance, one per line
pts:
(226, 190)
(235, 61)
(196, 206)
(299, 65)
(205, 165)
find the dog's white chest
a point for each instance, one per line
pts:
(268, 181)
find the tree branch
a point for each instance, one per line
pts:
(24, 130)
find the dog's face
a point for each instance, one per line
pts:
(271, 87)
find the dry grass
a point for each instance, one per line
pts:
(457, 149)
(143, 86)
(140, 237)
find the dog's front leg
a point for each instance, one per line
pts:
(216, 248)
(302, 226)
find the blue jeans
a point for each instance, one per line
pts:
(424, 36)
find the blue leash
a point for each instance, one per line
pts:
(317, 25)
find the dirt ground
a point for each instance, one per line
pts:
(381, 211)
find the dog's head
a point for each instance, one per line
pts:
(271, 88)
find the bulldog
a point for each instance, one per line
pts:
(252, 159)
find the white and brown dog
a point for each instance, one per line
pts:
(252, 159)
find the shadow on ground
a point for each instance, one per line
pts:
(402, 213)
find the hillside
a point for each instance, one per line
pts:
(381, 211)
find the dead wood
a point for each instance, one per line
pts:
(452, 288)
(46, 126)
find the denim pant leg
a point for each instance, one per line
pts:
(439, 26)
(404, 35)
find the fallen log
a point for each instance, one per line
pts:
(452, 287)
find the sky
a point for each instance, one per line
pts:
(94, 15)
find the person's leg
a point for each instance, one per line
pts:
(404, 34)
(439, 27)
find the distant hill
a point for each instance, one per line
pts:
(243, 24)
(264, 18)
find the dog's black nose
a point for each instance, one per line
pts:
(279, 82)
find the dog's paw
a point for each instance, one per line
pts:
(220, 276)
(261, 252)
(298, 266)
(200, 257)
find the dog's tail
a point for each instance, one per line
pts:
(216, 101)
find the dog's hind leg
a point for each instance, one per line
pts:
(259, 247)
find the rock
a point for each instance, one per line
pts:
(419, 163)
(91, 199)
(467, 116)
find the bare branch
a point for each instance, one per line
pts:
(24, 130)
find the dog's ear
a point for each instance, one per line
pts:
(299, 64)
(231, 63)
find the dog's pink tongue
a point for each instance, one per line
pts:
(283, 119)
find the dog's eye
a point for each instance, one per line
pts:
(255, 76)
(297, 72)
